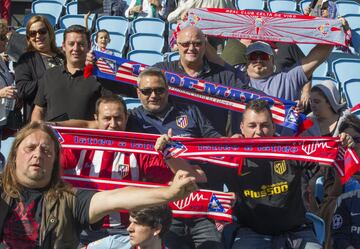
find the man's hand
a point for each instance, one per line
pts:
(163, 140)
(182, 185)
(90, 58)
(347, 140)
(8, 92)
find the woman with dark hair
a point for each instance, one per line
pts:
(41, 55)
(329, 116)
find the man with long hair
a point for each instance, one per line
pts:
(39, 210)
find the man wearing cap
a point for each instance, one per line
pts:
(260, 70)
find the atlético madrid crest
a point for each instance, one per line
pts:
(182, 121)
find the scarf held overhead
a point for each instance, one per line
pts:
(222, 151)
(267, 26)
(202, 203)
(122, 70)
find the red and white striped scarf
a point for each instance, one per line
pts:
(266, 26)
(222, 151)
(202, 203)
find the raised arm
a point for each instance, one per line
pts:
(103, 203)
(316, 56)
(90, 124)
(37, 114)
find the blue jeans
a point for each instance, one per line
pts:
(302, 238)
(200, 233)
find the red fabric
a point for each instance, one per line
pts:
(88, 70)
(5, 9)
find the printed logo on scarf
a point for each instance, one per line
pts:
(280, 167)
(182, 121)
(123, 170)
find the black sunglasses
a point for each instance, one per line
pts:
(148, 91)
(42, 31)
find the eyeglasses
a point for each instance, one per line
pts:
(187, 44)
(258, 56)
(157, 91)
(42, 31)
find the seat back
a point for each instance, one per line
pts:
(353, 20)
(345, 7)
(346, 69)
(351, 90)
(318, 225)
(249, 5)
(321, 70)
(148, 25)
(49, 7)
(59, 37)
(117, 24)
(303, 4)
(150, 42)
(145, 57)
(281, 5)
(72, 8)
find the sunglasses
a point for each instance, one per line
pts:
(33, 33)
(157, 91)
(187, 44)
(258, 56)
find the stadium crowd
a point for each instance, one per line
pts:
(44, 86)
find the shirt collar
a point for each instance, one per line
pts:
(205, 69)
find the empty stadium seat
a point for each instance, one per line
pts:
(281, 5)
(346, 69)
(47, 7)
(68, 20)
(172, 56)
(131, 103)
(72, 8)
(50, 18)
(306, 48)
(353, 20)
(351, 90)
(145, 57)
(117, 24)
(249, 5)
(150, 42)
(303, 4)
(319, 226)
(59, 37)
(321, 70)
(148, 25)
(345, 7)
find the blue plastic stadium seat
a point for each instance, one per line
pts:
(249, 5)
(346, 69)
(351, 90)
(303, 4)
(172, 56)
(281, 5)
(148, 25)
(68, 20)
(117, 24)
(140, 41)
(319, 226)
(72, 8)
(47, 7)
(59, 37)
(145, 57)
(345, 7)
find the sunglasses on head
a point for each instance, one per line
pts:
(148, 91)
(42, 31)
(258, 56)
(187, 44)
